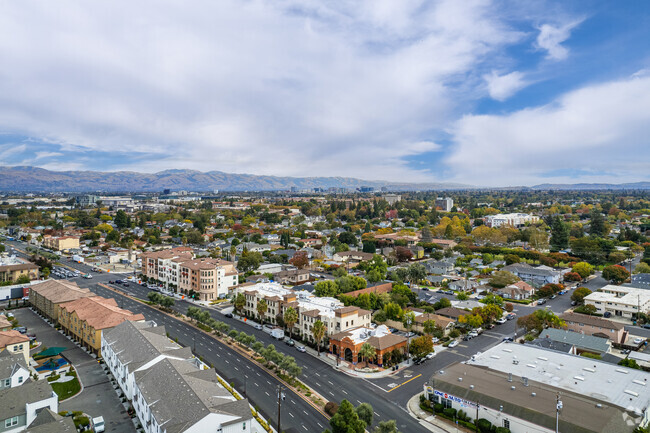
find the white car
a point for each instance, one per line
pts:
(258, 327)
(430, 355)
(301, 349)
(434, 340)
(98, 424)
(473, 334)
(453, 343)
(502, 320)
(638, 340)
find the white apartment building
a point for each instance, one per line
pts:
(333, 313)
(171, 390)
(509, 219)
(620, 301)
(444, 203)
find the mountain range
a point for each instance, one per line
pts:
(35, 179)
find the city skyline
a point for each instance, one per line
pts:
(482, 93)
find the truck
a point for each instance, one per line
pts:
(77, 258)
(277, 333)
(98, 424)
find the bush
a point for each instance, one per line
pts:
(461, 415)
(449, 412)
(591, 355)
(438, 408)
(331, 408)
(502, 430)
(484, 425)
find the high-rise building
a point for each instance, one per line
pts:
(444, 203)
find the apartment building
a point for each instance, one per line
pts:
(593, 325)
(445, 204)
(47, 297)
(620, 301)
(15, 343)
(61, 243)
(178, 270)
(85, 319)
(170, 389)
(510, 219)
(13, 271)
(310, 308)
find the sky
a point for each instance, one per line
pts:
(485, 93)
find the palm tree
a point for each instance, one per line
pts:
(367, 352)
(290, 318)
(262, 307)
(318, 332)
(239, 302)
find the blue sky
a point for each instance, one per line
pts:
(493, 93)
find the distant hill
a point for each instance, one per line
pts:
(592, 186)
(34, 179)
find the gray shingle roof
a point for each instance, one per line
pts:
(582, 341)
(9, 363)
(13, 400)
(49, 422)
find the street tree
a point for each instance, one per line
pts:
(386, 427)
(368, 352)
(365, 412)
(290, 318)
(583, 269)
(346, 420)
(318, 332)
(262, 308)
(615, 274)
(471, 320)
(239, 303)
(539, 320)
(421, 346)
(579, 294)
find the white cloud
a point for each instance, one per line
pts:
(602, 129)
(284, 88)
(501, 87)
(551, 37)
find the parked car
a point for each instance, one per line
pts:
(453, 343)
(574, 303)
(541, 301)
(418, 361)
(258, 326)
(502, 320)
(625, 351)
(21, 329)
(98, 424)
(508, 339)
(229, 315)
(290, 342)
(301, 349)
(111, 282)
(636, 340)
(88, 276)
(466, 338)
(473, 334)
(607, 314)
(32, 337)
(646, 326)
(409, 334)
(511, 316)
(430, 355)
(126, 284)
(434, 340)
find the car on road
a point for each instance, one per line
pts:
(21, 329)
(453, 343)
(258, 327)
(229, 315)
(502, 320)
(467, 337)
(290, 342)
(88, 276)
(430, 355)
(126, 284)
(508, 339)
(541, 301)
(511, 316)
(111, 282)
(301, 349)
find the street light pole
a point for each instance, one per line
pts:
(281, 396)
(558, 406)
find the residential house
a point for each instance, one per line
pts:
(13, 370)
(594, 325)
(464, 285)
(352, 258)
(442, 267)
(452, 313)
(580, 343)
(517, 291)
(296, 276)
(16, 343)
(535, 275)
(85, 319)
(48, 421)
(444, 323)
(19, 406)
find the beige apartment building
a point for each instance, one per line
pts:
(335, 316)
(61, 243)
(179, 271)
(47, 297)
(15, 271)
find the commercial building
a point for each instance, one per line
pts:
(335, 316)
(61, 243)
(179, 271)
(16, 343)
(347, 344)
(392, 198)
(621, 301)
(48, 296)
(510, 220)
(20, 406)
(445, 204)
(518, 386)
(85, 319)
(171, 391)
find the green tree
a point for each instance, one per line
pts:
(290, 318)
(365, 412)
(511, 259)
(23, 279)
(386, 427)
(471, 320)
(326, 288)
(642, 268)
(416, 272)
(597, 225)
(393, 311)
(630, 363)
(262, 307)
(502, 279)
(121, 219)
(540, 320)
(559, 234)
(346, 420)
(430, 327)
(579, 294)
(615, 274)
(583, 269)
(318, 332)
(367, 352)
(249, 262)
(408, 320)
(239, 303)
(421, 346)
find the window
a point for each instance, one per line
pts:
(11, 421)
(7, 382)
(446, 403)
(506, 423)
(20, 379)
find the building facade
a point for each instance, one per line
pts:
(61, 243)
(48, 296)
(510, 220)
(620, 301)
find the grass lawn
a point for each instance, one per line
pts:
(66, 389)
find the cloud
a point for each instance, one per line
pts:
(551, 37)
(284, 88)
(601, 128)
(501, 87)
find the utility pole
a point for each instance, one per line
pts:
(558, 406)
(478, 406)
(281, 396)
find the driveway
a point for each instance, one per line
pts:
(98, 396)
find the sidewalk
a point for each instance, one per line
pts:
(430, 421)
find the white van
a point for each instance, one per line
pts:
(98, 424)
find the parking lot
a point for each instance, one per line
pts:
(98, 396)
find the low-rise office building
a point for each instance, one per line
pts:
(518, 386)
(85, 319)
(621, 301)
(47, 297)
(347, 344)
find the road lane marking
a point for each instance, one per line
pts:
(403, 383)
